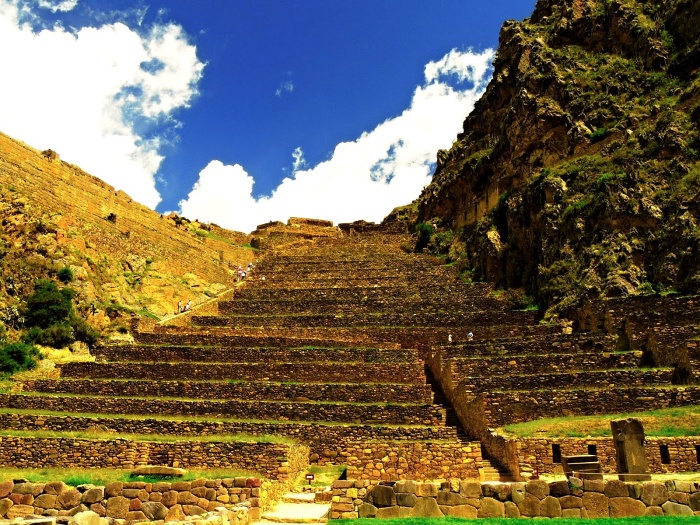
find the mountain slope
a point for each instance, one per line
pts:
(125, 257)
(577, 172)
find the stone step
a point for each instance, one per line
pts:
(298, 513)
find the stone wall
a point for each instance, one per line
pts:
(326, 441)
(258, 390)
(271, 410)
(470, 499)
(135, 501)
(417, 461)
(682, 453)
(272, 460)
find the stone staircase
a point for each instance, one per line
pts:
(297, 507)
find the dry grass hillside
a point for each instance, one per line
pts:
(125, 257)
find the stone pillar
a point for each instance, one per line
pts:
(628, 436)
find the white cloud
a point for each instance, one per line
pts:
(363, 179)
(287, 86)
(84, 93)
(61, 5)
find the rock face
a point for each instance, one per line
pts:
(576, 173)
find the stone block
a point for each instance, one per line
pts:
(87, 517)
(491, 508)
(676, 509)
(529, 506)
(68, 499)
(550, 507)
(55, 488)
(75, 510)
(594, 485)
(114, 489)
(98, 509)
(117, 507)
(596, 504)
(382, 496)
(511, 509)
(388, 512)
(6, 488)
(169, 498)
(135, 504)
(654, 511)
(18, 511)
(175, 513)
(193, 510)
(45, 501)
(570, 502)
(499, 491)
(470, 489)
(406, 485)
(5, 505)
(679, 497)
(694, 501)
(538, 488)
(614, 488)
(406, 499)
(29, 488)
(426, 508)
(341, 484)
(559, 489)
(621, 507)
(635, 490)
(182, 486)
(654, 493)
(451, 499)
(187, 498)
(571, 513)
(351, 493)
(367, 510)
(427, 489)
(517, 492)
(461, 511)
(135, 515)
(199, 491)
(93, 495)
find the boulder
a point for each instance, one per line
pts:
(6, 488)
(676, 509)
(86, 518)
(68, 499)
(367, 510)
(117, 507)
(426, 508)
(175, 513)
(93, 495)
(512, 510)
(654, 493)
(405, 499)
(550, 507)
(382, 496)
(595, 504)
(491, 508)
(154, 511)
(538, 488)
(462, 511)
(625, 506)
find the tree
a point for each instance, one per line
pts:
(48, 305)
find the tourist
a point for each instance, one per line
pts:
(449, 339)
(187, 306)
(470, 336)
(179, 307)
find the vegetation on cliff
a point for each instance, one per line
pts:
(578, 173)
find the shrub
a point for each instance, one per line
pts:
(17, 356)
(425, 232)
(83, 331)
(48, 305)
(65, 274)
(55, 336)
(598, 135)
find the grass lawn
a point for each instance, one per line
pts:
(668, 422)
(643, 520)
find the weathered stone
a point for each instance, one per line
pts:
(193, 510)
(187, 498)
(676, 509)
(114, 489)
(117, 507)
(518, 492)
(158, 470)
(406, 485)
(29, 488)
(86, 517)
(76, 510)
(625, 506)
(55, 488)
(559, 488)
(405, 499)
(654, 511)
(182, 486)
(571, 513)
(614, 488)
(512, 510)
(135, 504)
(500, 491)
(470, 489)
(570, 502)
(427, 489)
(367, 510)
(628, 437)
(5, 504)
(426, 508)
(389, 512)
(169, 498)
(694, 501)
(491, 508)
(175, 513)
(550, 507)
(382, 496)
(594, 485)
(6, 488)
(445, 497)
(653, 493)
(635, 490)
(45, 501)
(529, 506)
(462, 511)
(68, 499)
(98, 509)
(135, 515)
(679, 497)
(26, 499)
(596, 504)
(16, 511)
(538, 488)
(93, 495)
(154, 510)
(199, 491)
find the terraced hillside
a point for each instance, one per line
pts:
(339, 342)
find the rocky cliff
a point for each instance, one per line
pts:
(125, 257)
(577, 174)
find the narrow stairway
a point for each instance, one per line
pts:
(297, 507)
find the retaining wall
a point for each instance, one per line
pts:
(537, 499)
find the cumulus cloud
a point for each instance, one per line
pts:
(91, 89)
(61, 5)
(363, 179)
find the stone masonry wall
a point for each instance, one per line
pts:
(272, 460)
(418, 461)
(135, 501)
(470, 499)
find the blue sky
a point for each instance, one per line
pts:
(239, 112)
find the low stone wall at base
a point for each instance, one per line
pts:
(574, 498)
(135, 501)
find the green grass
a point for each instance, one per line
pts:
(642, 520)
(668, 422)
(77, 476)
